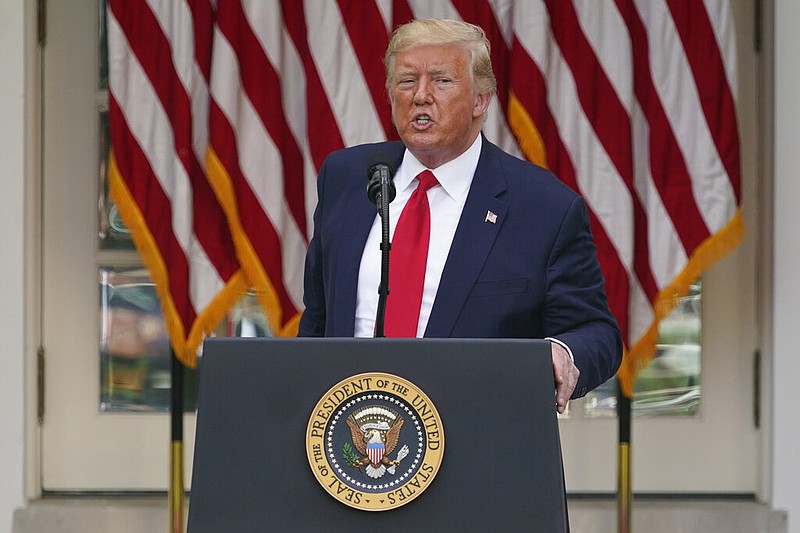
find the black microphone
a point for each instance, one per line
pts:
(381, 192)
(379, 171)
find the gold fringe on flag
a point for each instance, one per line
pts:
(251, 264)
(185, 347)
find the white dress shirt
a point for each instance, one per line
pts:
(446, 201)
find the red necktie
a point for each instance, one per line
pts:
(409, 256)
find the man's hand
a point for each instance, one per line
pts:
(565, 373)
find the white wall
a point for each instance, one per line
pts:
(12, 253)
(786, 376)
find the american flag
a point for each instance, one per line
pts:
(159, 56)
(630, 102)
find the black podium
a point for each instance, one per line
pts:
(501, 466)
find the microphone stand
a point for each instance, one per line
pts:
(386, 246)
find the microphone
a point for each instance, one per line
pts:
(381, 192)
(379, 171)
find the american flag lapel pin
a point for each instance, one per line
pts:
(490, 217)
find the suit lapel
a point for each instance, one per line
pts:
(472, 242)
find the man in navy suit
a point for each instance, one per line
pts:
(510, 253)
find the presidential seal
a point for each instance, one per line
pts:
(375, 441)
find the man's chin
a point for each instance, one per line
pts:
(420, 142)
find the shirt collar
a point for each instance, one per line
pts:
(455, 176)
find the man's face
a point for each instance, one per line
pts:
(435, 109)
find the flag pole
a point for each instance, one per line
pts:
(176, 493)
(624, 486)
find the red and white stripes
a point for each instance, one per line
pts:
(630, 102)
(158, 101)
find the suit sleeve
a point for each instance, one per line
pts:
(576, 308)
(312, 322)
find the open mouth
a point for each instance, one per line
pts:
(422, 120)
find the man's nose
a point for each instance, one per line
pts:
(423, 94)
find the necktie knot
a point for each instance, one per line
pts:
(426, 180)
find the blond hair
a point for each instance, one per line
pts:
(445, 31)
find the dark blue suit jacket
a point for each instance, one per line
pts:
(532, 274)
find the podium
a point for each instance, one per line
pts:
(501, 466)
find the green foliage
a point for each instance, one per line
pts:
(350, 455)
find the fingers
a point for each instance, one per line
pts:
(564, 390)
(566, 376)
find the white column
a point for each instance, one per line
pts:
(12, 256)
(786, 375)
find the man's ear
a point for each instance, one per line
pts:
(481, 104)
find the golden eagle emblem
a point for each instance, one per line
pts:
(375, 430)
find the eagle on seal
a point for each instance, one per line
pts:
(375, 441)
